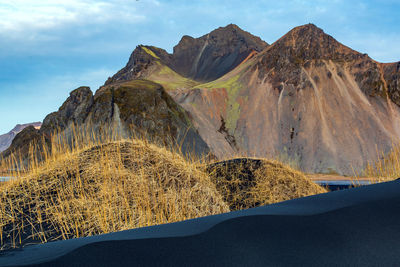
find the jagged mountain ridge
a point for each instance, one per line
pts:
(199, 59)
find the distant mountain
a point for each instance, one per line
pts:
(306, 99)
(6, 139)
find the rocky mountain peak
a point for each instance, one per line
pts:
(233, 32)
(214, 54)
(140, 60)
(308, 42)
(222, 36)
(74, 109)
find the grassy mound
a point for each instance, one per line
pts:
(104, 188)
(247, 183)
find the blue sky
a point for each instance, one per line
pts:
(50, 47)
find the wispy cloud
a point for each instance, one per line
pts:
(39, 26)
(20, 16)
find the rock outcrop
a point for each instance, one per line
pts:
(74, 111)
(145, 108)
(140, 63)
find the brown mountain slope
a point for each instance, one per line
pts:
(307, 99)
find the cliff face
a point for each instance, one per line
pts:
(6, 139)
(391, 75)
(145, 108)
(307, 99)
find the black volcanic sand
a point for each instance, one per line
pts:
(353, 227)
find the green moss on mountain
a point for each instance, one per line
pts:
(171, 80)
(150, 52)
(233, 87)
(145, 105)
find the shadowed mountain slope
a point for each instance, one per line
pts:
(209, 57)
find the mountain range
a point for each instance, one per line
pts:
(306, 99)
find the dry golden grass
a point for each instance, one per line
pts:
(246, 182)
(105, 188)
(386, 168)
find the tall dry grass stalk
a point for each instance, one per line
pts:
(387, 167)
(82, 184)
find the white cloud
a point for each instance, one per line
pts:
(26, 16)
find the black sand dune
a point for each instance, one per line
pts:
(354, 227)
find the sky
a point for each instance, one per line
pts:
(50, 47)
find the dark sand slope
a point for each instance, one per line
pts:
(355, 227)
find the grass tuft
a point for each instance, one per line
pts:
(247, 183)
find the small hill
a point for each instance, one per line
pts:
(248, 183)
(6, 139)
(101, 189)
